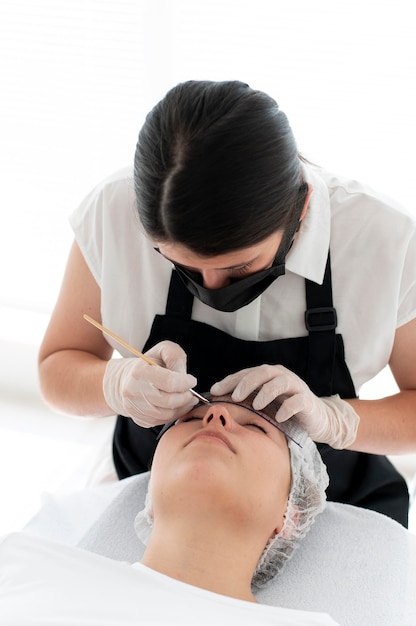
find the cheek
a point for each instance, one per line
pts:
(164, 455)
(170, 458)
(274, 479)
(275, 460)
(285, 471)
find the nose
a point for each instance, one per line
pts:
(217, 415)
(214, 279)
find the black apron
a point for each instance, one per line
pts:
(366, 480)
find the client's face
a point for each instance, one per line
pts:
(230, 458)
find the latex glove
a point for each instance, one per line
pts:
(150, 394)
(328, 420)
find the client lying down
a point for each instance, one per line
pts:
(230, 497)
(231, 488)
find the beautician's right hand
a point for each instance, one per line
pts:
(150, 394)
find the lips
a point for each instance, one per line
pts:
(214, 435)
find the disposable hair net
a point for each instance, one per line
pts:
(307, 496)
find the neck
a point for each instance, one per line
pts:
(204, 555)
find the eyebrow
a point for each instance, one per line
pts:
(220, 269)
(243, 406)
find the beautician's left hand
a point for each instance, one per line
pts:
(327, 420)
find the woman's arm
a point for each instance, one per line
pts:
(73, 354)
(385, 426)
(73, 361)
(388, 425)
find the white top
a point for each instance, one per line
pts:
(373, 260)
(43, 582)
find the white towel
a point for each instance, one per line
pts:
(356, 565)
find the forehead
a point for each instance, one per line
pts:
(184, 256)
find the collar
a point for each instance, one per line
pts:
(309, 252)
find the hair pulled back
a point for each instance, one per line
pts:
(216, 168)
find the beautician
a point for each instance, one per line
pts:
(226, 251)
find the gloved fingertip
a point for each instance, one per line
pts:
(282, 416)
(281, 420)
(195, 400)
(258, 404)
(193, 381)
(179, 366)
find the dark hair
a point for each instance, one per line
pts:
(217, 168)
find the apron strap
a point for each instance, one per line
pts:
(180, 301)
(321, 322)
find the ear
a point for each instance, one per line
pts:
(307, 199)
(279, 528)
(288, 526)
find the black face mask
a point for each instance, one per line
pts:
(234, 296)
(244, 290)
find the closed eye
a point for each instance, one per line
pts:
(255, 425)
(190, 418)
(238, 271)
